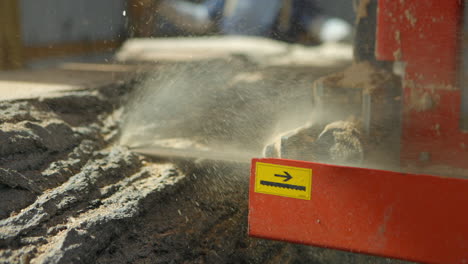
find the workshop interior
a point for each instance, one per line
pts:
(233, 131)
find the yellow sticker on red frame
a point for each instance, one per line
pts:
(287, 181)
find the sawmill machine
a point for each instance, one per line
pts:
(387, 173)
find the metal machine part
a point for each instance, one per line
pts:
(192, 153)
(362, 102)
(406, 216)
(425, 36)
(387, 213)
(182, 148)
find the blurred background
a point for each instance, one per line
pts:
(40, 33)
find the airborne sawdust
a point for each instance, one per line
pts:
(230, 106)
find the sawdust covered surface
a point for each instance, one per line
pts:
(73, 194)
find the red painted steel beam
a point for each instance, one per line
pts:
(426, 36)
(406, 216)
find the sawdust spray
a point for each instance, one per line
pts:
(229, 105)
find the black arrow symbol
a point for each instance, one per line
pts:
(287, 176)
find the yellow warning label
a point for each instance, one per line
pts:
(282, 180)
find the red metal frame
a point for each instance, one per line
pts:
(424, 34)
(414, 217)
(407, 216)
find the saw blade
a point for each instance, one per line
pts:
(192, 153)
